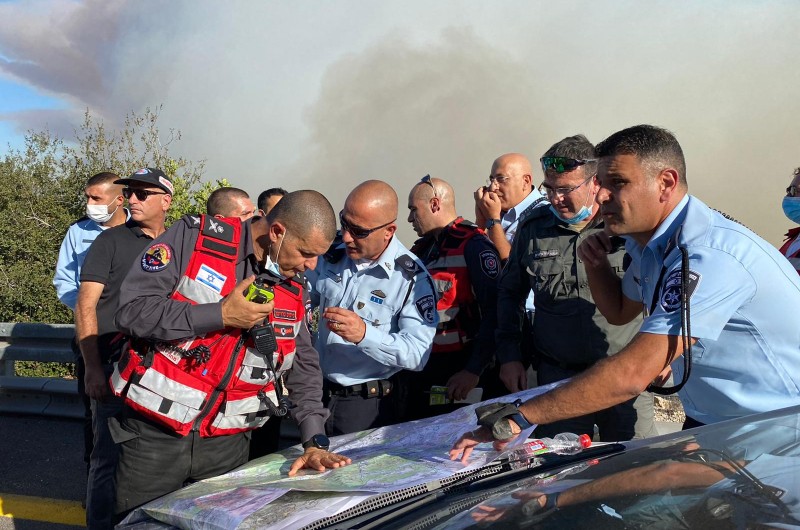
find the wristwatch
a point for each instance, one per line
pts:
(320, 441)
(491, 222)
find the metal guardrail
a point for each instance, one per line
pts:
(37, 395)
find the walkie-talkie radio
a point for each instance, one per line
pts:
(259, 292)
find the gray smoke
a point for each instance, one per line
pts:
(325, 95)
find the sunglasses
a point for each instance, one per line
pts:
(142, 195)
(561, 164)
(427, 180)
(793, 191)
(356, 231)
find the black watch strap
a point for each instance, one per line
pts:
(320, 441)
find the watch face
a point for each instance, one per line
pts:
(321, 441)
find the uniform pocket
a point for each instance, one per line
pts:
(547, 276)
(239, 412)
(373, 313)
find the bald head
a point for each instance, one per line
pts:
(513, 162)
(374, 199)
(431, 206)
(304, 212)
(511, 179)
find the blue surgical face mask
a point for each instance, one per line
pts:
(791, 208)
(584, 213)
(272, 266)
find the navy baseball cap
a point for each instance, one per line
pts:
(150, 175)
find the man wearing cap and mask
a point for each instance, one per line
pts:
(149, 195)
(103, 211)
(569, 333)
(216, 313)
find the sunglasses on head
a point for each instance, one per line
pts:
(142, 195)
(561, 164)
(356, 231)
(427, 180)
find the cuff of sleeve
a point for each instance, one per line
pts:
(207, 317)
(310, 426)
(507, 353)
(372, 338)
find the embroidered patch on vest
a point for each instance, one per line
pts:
(551, 253)
(426, 306)
(157, 257)
(283, 330)
(671, 292)
(489, 264)
(284, 314)
(211, 278)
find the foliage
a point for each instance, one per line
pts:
(41, 194)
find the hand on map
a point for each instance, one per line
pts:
(318, 460)
(469, 440)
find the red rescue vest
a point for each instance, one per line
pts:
(459, 315)
(218, 395)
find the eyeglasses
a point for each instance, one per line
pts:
(499, 179)
(561, 164)
(142, 195)
(358, 232)
(425, 180)
(561, 192)
(792, 191)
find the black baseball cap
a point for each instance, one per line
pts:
(150, 175)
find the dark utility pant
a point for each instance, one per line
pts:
(352, 410)
(154, 461)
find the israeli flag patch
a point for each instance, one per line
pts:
(211, 278)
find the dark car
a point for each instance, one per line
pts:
(743, 473)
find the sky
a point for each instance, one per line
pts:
(325, 95)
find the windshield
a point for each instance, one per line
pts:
(738, 474)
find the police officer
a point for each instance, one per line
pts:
(791, 209)
(464, 265)
(569, 333)
(195, 381)
(711, 290)
(377, 311)
(103, 211)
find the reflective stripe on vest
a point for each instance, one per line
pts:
(197, 292)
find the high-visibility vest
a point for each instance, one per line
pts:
(794, 257)
(218, 395)
(459, 315)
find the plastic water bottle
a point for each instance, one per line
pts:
(566, 443)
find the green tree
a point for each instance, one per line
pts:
(41, 193)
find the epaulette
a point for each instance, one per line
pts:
(407, 263)
(336, 251)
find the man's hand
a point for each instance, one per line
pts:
(238, 312)
(464, 445)
(487, 206)
(460, 384)
(318, 460)
(345, 323)
(514, 376)
(96, 382)
(595, 249)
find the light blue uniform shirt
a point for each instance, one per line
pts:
(80, 236)
(395, 297)
(744, 305)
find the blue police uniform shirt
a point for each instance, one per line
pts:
(744, 299)
(80, 236)
(395, 297)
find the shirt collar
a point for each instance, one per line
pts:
(386, 260)
(513, 213)
(660, 240)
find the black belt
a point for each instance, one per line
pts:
(371, 389)
(573, 367)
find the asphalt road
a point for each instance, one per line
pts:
(41, 459)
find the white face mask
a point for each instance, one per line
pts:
(272, 266)
(99, 213)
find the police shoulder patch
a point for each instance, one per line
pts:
(489, 263)
(157, 257)
(427, 307)
(674, 285)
